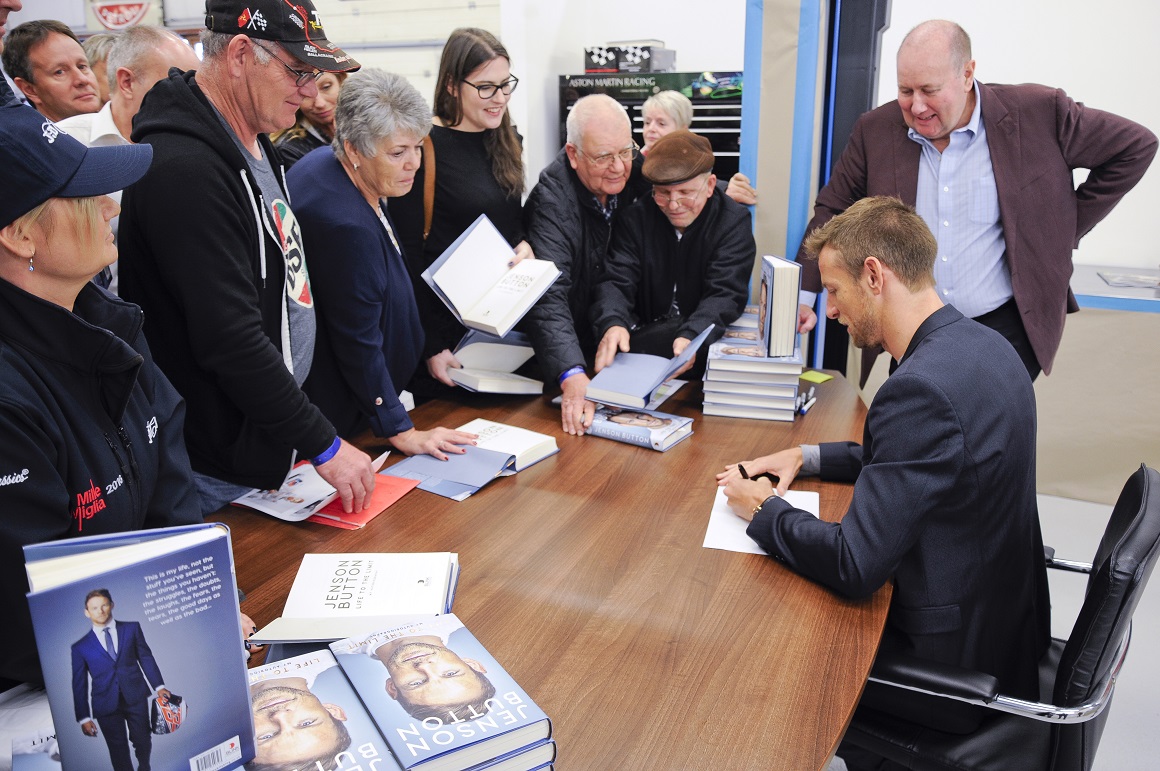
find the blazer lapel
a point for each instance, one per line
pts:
(1003, 143)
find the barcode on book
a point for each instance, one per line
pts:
(229, 751)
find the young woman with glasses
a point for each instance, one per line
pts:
(478, 170)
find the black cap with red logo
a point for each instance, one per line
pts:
(293, 24)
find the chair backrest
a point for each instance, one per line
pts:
(1121, 567)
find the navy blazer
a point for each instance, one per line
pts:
(111, 679)
(944, 504)
(1036, 136)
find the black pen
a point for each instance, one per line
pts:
(742, 470)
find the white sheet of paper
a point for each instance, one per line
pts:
(727, 530)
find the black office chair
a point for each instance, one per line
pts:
(1078, 675)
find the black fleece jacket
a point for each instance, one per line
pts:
(200, 255)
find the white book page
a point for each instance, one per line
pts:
(513, 293)
(727, 530)
(479, 262)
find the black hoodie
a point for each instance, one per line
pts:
(205, 263)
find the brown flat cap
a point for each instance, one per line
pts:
(677, 157)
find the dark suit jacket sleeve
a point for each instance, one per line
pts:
(841, 461)
(80, 681)
(847, 185)
(1116, 151)
(144, 655)
(554, 233)
(918, 458)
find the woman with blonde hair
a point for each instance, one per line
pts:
(314, 122)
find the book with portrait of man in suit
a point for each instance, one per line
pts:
(439, 698)
(140, 643)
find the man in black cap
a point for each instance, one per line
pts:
(679, 261)
(212, 252)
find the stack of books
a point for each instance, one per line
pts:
(420, 694)
(741, 381)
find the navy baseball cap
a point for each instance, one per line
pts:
(293, 24)
(38, 161)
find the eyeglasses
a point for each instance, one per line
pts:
(301, 77)
(488, 90)
(605, 161)
(664, 199)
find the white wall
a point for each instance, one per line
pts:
(547, 39)
(1102, 54)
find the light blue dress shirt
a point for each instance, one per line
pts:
(959, 202)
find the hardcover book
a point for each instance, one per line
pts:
(756, 413)
(632, 378)
(141, 648)
(489, 364)
(473, 279)
(307, 716)
(500, 450)
(341, 595)
(442, 702)
(778, 305)
(644, 428)
(751, 358)
(768, 390)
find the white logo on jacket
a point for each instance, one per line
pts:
(14, 479)
(151, 428)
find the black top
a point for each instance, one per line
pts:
(464, 189)
(292, 148)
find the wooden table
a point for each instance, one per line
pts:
(585, 576)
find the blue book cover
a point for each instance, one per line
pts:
(644, 428)
(457, 477)
(173, 688)
(307, 716)
(438, 697)
(631, 378)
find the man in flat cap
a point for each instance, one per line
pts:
(680, 260)
(212, 252)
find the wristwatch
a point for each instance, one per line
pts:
(757, 508)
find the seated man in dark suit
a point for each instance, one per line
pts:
(120, 692)
(680, 260)
(944, 496)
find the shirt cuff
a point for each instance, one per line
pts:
(811, 460)
(807, 298)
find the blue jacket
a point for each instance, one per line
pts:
(369, 339)
(112, 678)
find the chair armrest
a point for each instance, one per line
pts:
(1070, 566)
(935, 678)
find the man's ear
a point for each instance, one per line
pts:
(29, 90)
(969, 74)
(874, 274)
(124, 81)
(480, 668)
(335, 711)
(711, 183)
(570, 149)
(392, 691)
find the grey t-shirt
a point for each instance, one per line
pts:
(300, 300)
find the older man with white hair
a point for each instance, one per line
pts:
(568, 218)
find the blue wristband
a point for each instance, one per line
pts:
(569, 373)
(329, 453)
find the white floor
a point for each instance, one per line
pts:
(1132, 735)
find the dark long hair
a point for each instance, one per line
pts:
(467, 50)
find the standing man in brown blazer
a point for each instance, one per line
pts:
(989, 168)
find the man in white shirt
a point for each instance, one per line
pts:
(139, 57)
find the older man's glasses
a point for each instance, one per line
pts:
(488, 90)
(301, 77)
(664, 198)
(605, 160)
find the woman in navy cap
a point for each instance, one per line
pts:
(90, 430)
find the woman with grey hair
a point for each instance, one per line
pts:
(369, 334)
